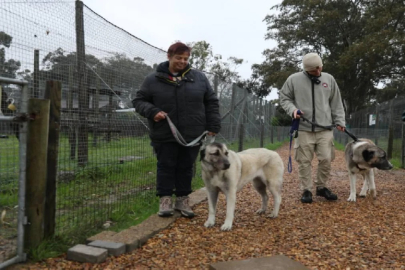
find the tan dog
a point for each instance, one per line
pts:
(227, 171)
(361, 157)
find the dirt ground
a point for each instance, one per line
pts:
(366, 234)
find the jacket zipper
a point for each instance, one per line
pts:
(177, 102)
(313, 105)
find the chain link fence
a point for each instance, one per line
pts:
(106, 167)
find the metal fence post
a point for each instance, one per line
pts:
(22, 137)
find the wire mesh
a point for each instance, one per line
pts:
(106, 166)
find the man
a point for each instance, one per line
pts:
(316, 94)
(185, 95)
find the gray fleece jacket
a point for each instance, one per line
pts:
(321, 103)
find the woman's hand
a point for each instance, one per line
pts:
(159, 116)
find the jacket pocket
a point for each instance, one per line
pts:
(296, 149)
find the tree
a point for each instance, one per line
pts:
(59, 64)
(126, 74)
(201, 55)
(7, 68)
(203, 58)
(361, 43)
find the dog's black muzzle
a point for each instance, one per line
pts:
(385, 166)
(226, 165)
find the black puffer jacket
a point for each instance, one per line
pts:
(190, 102)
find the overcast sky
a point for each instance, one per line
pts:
(232, 27)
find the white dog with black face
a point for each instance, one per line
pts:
(362, 157)
(227, 171)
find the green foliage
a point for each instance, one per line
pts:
(7, 68)
(49, 248)
(361, 43)
(201, 55)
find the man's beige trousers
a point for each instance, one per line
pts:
(308, 143)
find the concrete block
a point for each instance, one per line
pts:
(198, 196)
(113, 248)
(279, 262)
(104, 236)
(83, 253)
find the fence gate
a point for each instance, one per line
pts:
(14, 95)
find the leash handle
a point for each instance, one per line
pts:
(351, 135)
(180, 138)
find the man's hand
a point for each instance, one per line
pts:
(340, 128)
(295, 115)
(159, 116)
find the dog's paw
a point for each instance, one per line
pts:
(226, 226)
(352, 198)
(260, 211)
(273, 215)
(209, 223)
(373, 193)
(363, 194)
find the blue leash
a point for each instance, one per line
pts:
(293, 134)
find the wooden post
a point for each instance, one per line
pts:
(231, 113)
(216, 84)
(72, 120)
(82, 89)
(376, 135)
(36, 73)
(272, 112)
(244, 120)
(403, 146)
(109, 113)
(261, 122)
(390, 131)
(37, 145)
(96, 98)
(53, 93)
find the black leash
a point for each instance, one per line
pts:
(330, 128)
(294, 134)
(317, 125)
(351, 135)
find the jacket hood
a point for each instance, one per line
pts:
(164, 67)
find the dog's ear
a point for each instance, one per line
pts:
(202, 153)
(368, 155)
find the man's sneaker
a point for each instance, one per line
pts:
(326, 193)
(306, 197)
(166, 207)
(182, 205)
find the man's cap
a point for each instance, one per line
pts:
(311, 61)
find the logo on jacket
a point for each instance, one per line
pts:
(325, 85)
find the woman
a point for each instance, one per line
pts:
(185, 95)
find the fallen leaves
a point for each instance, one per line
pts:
(366, 234)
